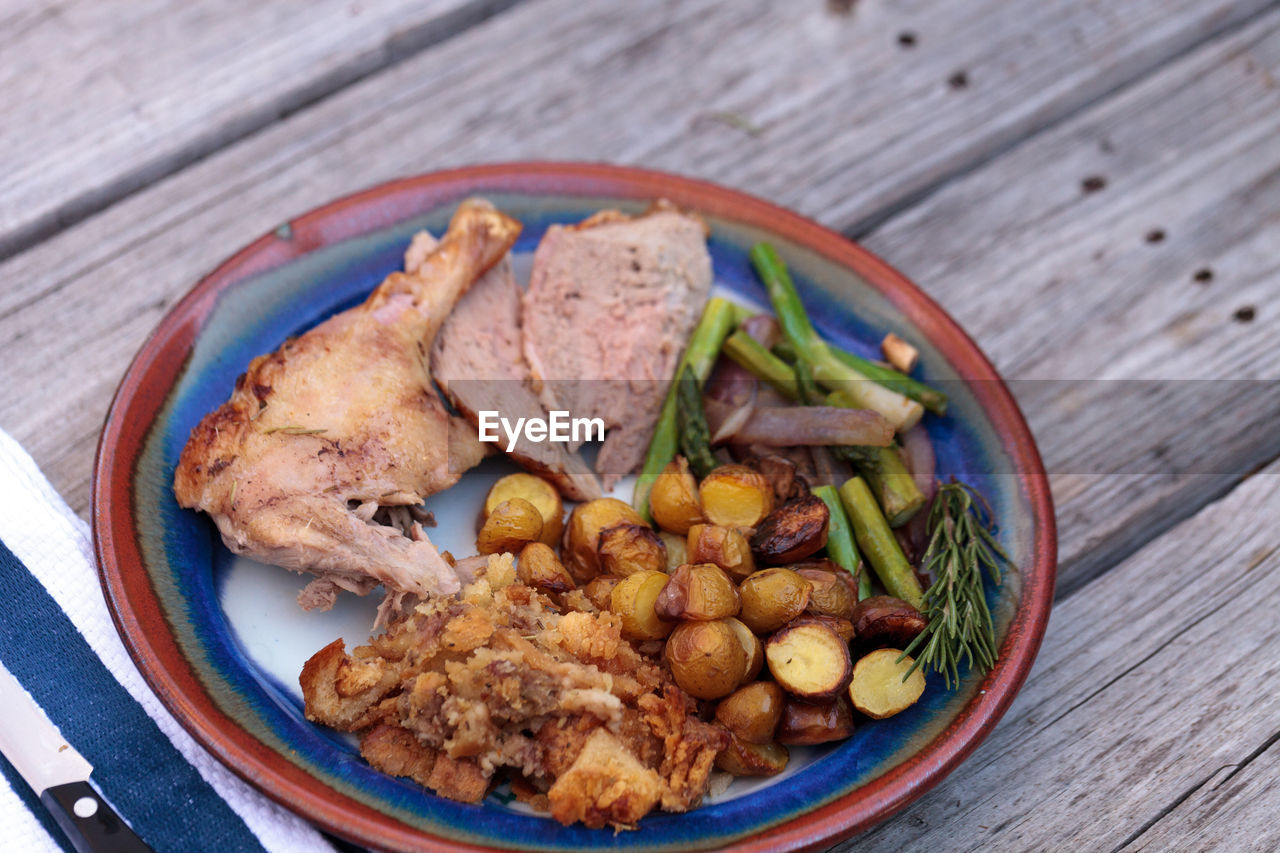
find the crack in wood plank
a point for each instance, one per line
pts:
(1160, 815)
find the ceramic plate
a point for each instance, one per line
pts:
(221, 639)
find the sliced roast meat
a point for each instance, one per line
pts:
(610, 305)
(477, 361)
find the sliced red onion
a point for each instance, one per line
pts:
(764, 329)
(735, 420)
(730, 382)
(814, 425)
(918, 456)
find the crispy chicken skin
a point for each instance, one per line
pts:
(342, 420)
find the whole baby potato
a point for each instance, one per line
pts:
(633, 599)
(735, 496)
(536, 491)
(831, 596)
(724, 546)
(752, 711)
(772, 598)
(540, 568)
(706, 658)
(700, 592)
(806, 723)
(582, 534)
(673, 500)
(513, 524)
(883, 621)
(625, 549)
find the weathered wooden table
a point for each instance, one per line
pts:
(1091, 188)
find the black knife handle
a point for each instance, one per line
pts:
(100, 831)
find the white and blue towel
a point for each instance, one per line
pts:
(58, 640)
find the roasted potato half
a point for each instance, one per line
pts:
(883, 621)
(809, 661)
(751, 645)
(877, 688)
(513, 524)
(772, 598)
(806, 723)
(842, 627)
(752, 711)
(633, 599)
(706, 658)
(735, 496)
(673, 500)
(742, 758)
(724, 546)
(582, 534)
(625, 549)
(831, 596)
(599, 590)
(700, 592)
(536, 491)
(792, 532)
(540, 568)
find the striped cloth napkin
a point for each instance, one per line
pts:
(57, 638)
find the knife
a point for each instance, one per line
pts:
(59, 775)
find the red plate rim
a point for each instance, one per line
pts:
(135, 607)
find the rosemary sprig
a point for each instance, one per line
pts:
(961, 545)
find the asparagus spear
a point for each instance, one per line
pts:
(893, 486)
(840, 547)
(928, 396)
(718, 318)
(876, 541)
(828, 370)
(752, 355)
(691, 422)
(884, 471)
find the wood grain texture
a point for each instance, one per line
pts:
(1151, 681)
(849, 125)
(1233, 810)
(1148, 364)
(101, 98)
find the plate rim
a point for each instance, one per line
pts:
(134, 606)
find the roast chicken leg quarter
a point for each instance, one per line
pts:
(341, 421)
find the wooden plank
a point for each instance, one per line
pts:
(1138, 320)
(1234, 810)
(1151, 679)
(102, 98)
(851, 124)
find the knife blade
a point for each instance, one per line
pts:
(59, 775)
